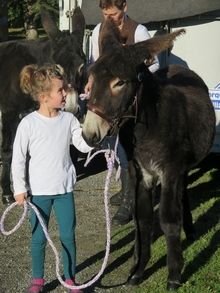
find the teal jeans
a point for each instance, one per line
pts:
(64, 210)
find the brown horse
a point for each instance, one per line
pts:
(59, 47)
(171, 130)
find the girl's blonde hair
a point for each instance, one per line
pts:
(35, 79)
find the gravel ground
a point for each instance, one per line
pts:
(15, 271)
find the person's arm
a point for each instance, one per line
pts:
(19, 160)
(142, 34)
(77, 139)
(87, 89)
(94, 52)
(94, 55)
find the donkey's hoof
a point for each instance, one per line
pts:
(135, 280)
(173, 285)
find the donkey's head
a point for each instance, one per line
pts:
(67, 50)
(115, 79)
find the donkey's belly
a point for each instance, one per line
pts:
(150, 170)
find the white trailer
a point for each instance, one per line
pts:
(66, 9)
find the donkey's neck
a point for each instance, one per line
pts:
(148, 101)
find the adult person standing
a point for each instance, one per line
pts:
(131, 33)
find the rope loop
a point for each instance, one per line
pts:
(18, 225)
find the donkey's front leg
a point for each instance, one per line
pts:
(143, 222)
(171, 223)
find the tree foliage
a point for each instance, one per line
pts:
(20, 11)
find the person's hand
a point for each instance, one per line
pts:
(88, 86)
(21, 198)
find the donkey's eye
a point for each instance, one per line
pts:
(120, 83)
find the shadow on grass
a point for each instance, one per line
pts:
(207, 164)
(51, 286)
(204, 223)
(204, 191)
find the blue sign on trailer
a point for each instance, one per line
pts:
(215, 97)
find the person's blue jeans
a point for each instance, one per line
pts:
(109, 142)
(64, 209)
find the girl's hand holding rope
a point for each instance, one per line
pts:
(21, 198)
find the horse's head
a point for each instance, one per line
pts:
(115, 78)
(67, 51)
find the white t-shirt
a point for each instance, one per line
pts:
(141, 34)
(47, 141)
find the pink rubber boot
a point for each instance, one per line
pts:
(72, 283)
(36, 286)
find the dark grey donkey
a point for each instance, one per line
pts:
(171, 129)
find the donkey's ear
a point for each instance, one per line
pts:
(109, 37)
(147, 50)
(48, 23)
(78, 24)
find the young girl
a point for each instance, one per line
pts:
(45, 136)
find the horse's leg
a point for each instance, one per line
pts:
(171, 224)
(143, 217)
(187, 215)
(9, 125)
